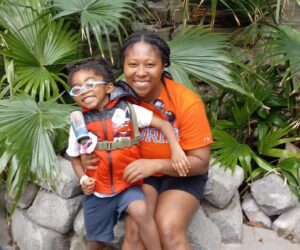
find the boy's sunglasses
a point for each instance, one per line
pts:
(89, 85)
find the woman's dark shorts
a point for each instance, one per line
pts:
(194, 184)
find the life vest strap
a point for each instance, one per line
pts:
(112, 145)
(125, 143)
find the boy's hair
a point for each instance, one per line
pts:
(148, 37)
(99, 65)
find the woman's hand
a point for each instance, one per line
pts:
(88, 185)
(140, 169)
(89, 161)
(180, 162)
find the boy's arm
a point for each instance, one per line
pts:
(77, 167)
(179, 159)
(85, 181)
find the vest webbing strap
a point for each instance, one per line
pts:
(125, 143)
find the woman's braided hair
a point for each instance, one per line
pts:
(151, 38)
(99, 65)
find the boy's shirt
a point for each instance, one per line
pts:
(144, 117)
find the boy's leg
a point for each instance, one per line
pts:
(139, 212)
(132, 239)
(94, 245)
(99, 220)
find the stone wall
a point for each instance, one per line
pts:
(50, 220)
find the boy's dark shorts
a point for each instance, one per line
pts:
(194, 184)
(101, 214)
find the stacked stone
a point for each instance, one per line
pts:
(165, 17)
(54, 220)
(44, 218)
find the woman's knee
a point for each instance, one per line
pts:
(169, 230)
(139, 212)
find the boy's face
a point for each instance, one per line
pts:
(95, 98)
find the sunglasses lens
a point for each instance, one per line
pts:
(170, 116)
(159, 105)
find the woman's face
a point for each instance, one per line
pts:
(143, 68)
(95, 98)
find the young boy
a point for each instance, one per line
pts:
(111, 117)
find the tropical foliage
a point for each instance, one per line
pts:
(254, 134)
(99, 18)
(251, 101)
(36, 50)
(28, 131)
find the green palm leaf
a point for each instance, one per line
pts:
(201, 53)
(286, 42)
(284, 48)
(243, 111)
(39, 49)
(228, 151)
(291, 165)
(98, 17)
(27, 130)
(270, 138)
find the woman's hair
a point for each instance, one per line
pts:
(148, 37)
(99, 65)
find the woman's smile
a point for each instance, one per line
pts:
(143, 68)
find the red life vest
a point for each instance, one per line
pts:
(112, 131)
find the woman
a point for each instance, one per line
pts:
(172, 198)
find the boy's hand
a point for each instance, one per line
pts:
(89, 161)
(88, 185)
(180, 162)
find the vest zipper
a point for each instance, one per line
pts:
(109, 158)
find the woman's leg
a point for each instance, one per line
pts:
(174, 212)
(132, 239)
(146, 224)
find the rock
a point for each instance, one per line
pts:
(253, 211)
(222, 184)
(79, 227)
(68, 185)
(273, 195)
(203, 234)
(286, 224)
(30, 236)
(52, 211)
(229, 220)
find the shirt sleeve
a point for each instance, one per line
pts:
(73, 149)
(143, 116)
(195, 129)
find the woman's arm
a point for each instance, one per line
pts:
(179, 159)
(198, 159)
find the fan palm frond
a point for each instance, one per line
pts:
(98, 17)
(39, 49)
(26, 133)
(228, 151)
(271, 137)
(201, 53)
